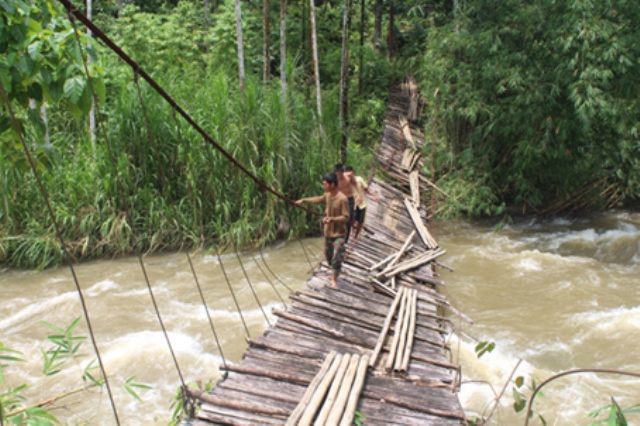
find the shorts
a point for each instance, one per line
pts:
(359, 214)
(334, 252)
(352, 203)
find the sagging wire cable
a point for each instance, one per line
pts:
(173, 209)
(273, 273)
(233, 294)
(85, 311)
(98, 33)
(246, 276)
(195, 277)
(187, 401)
(284, 305)
(306, 255)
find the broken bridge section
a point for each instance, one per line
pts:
(374, 348)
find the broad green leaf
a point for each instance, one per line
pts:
(519, 381)
(85, 102)
(100, 89)
(34, 49)
(9, 6)
(73, 88)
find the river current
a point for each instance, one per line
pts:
(559, 294)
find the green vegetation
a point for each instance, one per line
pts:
(531, 105)
(65, 348)
(535, 104)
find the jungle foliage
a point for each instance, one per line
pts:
(171, 189)
(531, 104)
(535, 103)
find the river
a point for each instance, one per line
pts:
(559, 294)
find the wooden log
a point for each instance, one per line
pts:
(235, 404)
(392, 399)
(337, 409)
(319, 392)
(383, 287)
(385, 260)
(415, 187)
(402, 251)
(354, 395)
(329, 400)
(385, 327)
(410, 334)
(399, 357)
(427, 239)
(415, 263)
(292, 378)
(396, 336)
(307, 322)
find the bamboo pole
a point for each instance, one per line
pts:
(403, 332)
(333, 391)
(297, 412)
(411, 332)
(385, 328)
(414, 263)
(396, 335)
(319, 393)
(343, 394)
(400, 253)
(356, 390)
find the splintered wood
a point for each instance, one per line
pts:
(405, 303)
(332, 396)
(417, 222)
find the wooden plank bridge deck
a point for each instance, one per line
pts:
(277, 368)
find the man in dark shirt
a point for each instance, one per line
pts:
(335, 222)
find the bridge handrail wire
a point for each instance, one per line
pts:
(233, 294)
(140, 71)
(273, 273)
(284, 305)
(246, 276)
(128, 217)
(195, 276)
(64, 250)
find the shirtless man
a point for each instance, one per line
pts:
(345, 186)
(359, 188)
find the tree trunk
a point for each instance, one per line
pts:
(391, 41)
(240, 48)
(305, 49)
(314, 47)
(266, 54)
(344, 84)
(283, 52)
(360, 65)
(92, 113)
(377, 30)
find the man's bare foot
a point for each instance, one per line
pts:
(332, 282)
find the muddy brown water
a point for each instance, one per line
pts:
(559, 294)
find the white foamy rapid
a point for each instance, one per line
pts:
(561, 295)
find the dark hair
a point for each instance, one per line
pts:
(348, 169)
(330, 178)
(338, 168)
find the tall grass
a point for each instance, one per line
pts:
(178, 190)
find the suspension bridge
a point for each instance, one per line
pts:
(375, 348)
(375, 345)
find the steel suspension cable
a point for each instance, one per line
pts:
(97, 32)
(305, 254)
(273, 273)
(284, 305)
(246, 276)
(128, 219)
(195, 277)
(233, 294)
(64, 249)
(174, 211)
